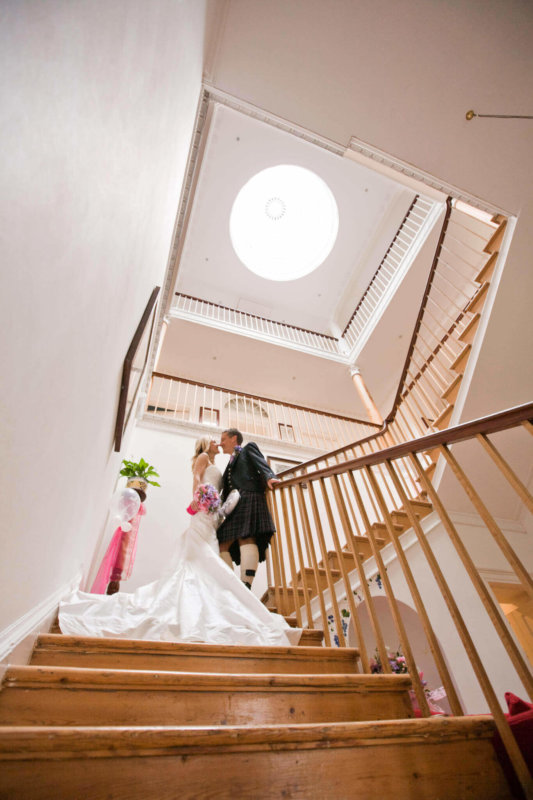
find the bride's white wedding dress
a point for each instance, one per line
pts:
(200, 599)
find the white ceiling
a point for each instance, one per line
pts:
(371, 207)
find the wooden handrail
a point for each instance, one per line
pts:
(421, 311)
(492, 423)
(266, 399)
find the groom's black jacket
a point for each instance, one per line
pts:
(249, 471)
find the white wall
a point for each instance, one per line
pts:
(401, 76)
(98, 105)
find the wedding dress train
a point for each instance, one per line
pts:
(200, 599)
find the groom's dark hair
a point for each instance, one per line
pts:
(234, 432)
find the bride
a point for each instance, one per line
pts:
(199, 599)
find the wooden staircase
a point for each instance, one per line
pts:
(465, 332)
(288, 597)
(119, 719)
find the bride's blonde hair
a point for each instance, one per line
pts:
(201, 446)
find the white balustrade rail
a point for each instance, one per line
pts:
(217, 408)
(233, 319)
(398, 258)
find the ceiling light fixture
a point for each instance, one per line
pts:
(284, 222)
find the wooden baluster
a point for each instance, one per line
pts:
(348, 502)
(432, 406)
(393, 536)
(489, 521)
(528, 426)
(392, 502)
(324, 552)
(508, 739)
(419, 413)
(279, 541)
(508, 473)
(393, 604)
(436, 651)
(486, 598)
(405, 407)
(291, 490)
(270, 496)
(444, 348)
(435, 364)
(312, 557)
(423, 366)
(407, 478)
(364, 480)
(292, 565)
(341, 506)
(380, 643)
(426, 409)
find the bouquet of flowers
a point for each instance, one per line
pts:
(397, 663)
(207, 499)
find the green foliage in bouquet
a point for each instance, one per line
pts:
(139, 469)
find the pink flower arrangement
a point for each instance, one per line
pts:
(207, 499)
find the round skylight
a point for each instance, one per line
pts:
(284, 222)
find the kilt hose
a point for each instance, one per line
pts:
(250, 519)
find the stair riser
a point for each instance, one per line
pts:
(428, 770)
(79, 706)
(322, 581)
(299, 665)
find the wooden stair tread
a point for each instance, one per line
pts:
(486, 272)
(33, 676)
(494, 243)
(312, 636)
(88, 696)
(444, 417)
(469, 331)
(56, 650)
(53, 740)
(364, 540)
(421, 506)
(258, 761)
(452, 390)
(381, 526)
(459, 363)
(321, 571)
(479, 298)
(62, 641)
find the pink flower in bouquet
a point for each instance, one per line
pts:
(207, 499)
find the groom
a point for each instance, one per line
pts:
(245, 534)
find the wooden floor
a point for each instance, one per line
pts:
(107, 719)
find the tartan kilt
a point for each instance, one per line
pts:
(250, 519)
